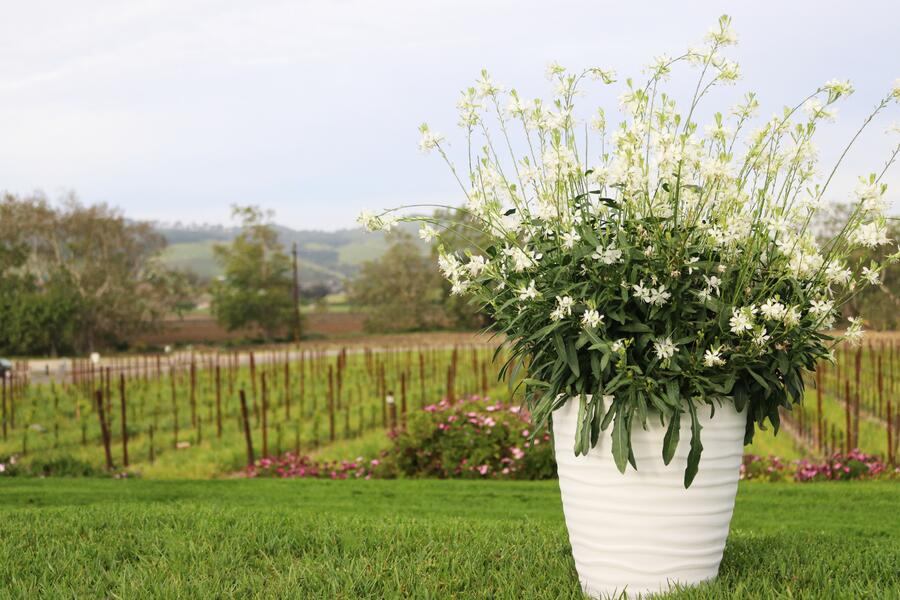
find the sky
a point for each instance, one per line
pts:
(174, 111)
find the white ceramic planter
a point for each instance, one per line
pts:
(641, 532)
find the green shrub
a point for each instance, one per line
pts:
(474, 439)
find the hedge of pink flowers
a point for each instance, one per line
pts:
(473, 438)
(476, 438)
(837, 467)
(290, 465)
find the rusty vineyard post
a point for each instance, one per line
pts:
(848, 402)
(124, 420)
(330, 403)
(287, 389)
(403, 398)
(218, 402)
(104, 429)
(889, 409)
(108, 392)
(253, 385)
(3, 401)
(152, 448)
(193, 390)
(856, 398)
(265, 420)
(422, 401)
(247, 437)
(174, 408)
(392, 411)
(819, 407)
(302, 367)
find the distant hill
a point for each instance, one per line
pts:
(324, 256)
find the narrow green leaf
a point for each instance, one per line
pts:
(620, 441)
(693, 461)
(673, 433)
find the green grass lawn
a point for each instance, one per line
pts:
(420, 539)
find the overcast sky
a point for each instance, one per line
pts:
(175, 110)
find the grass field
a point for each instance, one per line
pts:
(419, 539)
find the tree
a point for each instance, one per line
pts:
(256, 286)
(401, 291)
(86, 276)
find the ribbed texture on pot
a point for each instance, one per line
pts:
(642, 531)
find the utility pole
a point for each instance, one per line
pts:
(296, 295)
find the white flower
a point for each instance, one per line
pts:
(871, 195)
(838, 88)
(569, 239)
(430, 140)
(817, 110)
(895, 91)
(712, 283)
(773, 310)
(871, 276)
(449, 265)
(640, 292)
(608, 255)
(528, 292)
(820, 308)
(655, 296)
(591, 318)
(713, 357)
(659, 296)
(459, 287)
(854, 333)
(563, 308)
(368, 220)
(521, 260)
(388, 222)
(837, 274)
(554, 69)
(476, 265)
(704, 295)
(870, 235)
(485, 85)
(617, 346)
(760, 338)
(741, 319)
(665, 349)
(427, 232)
(791, 317)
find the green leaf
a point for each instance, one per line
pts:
(572, 355)
(741, 397)
(620, 440)
(636, 328)
(579, 426)
(673, 433)
(759, 379)
(693, 461)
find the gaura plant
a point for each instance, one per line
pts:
(657, 268)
